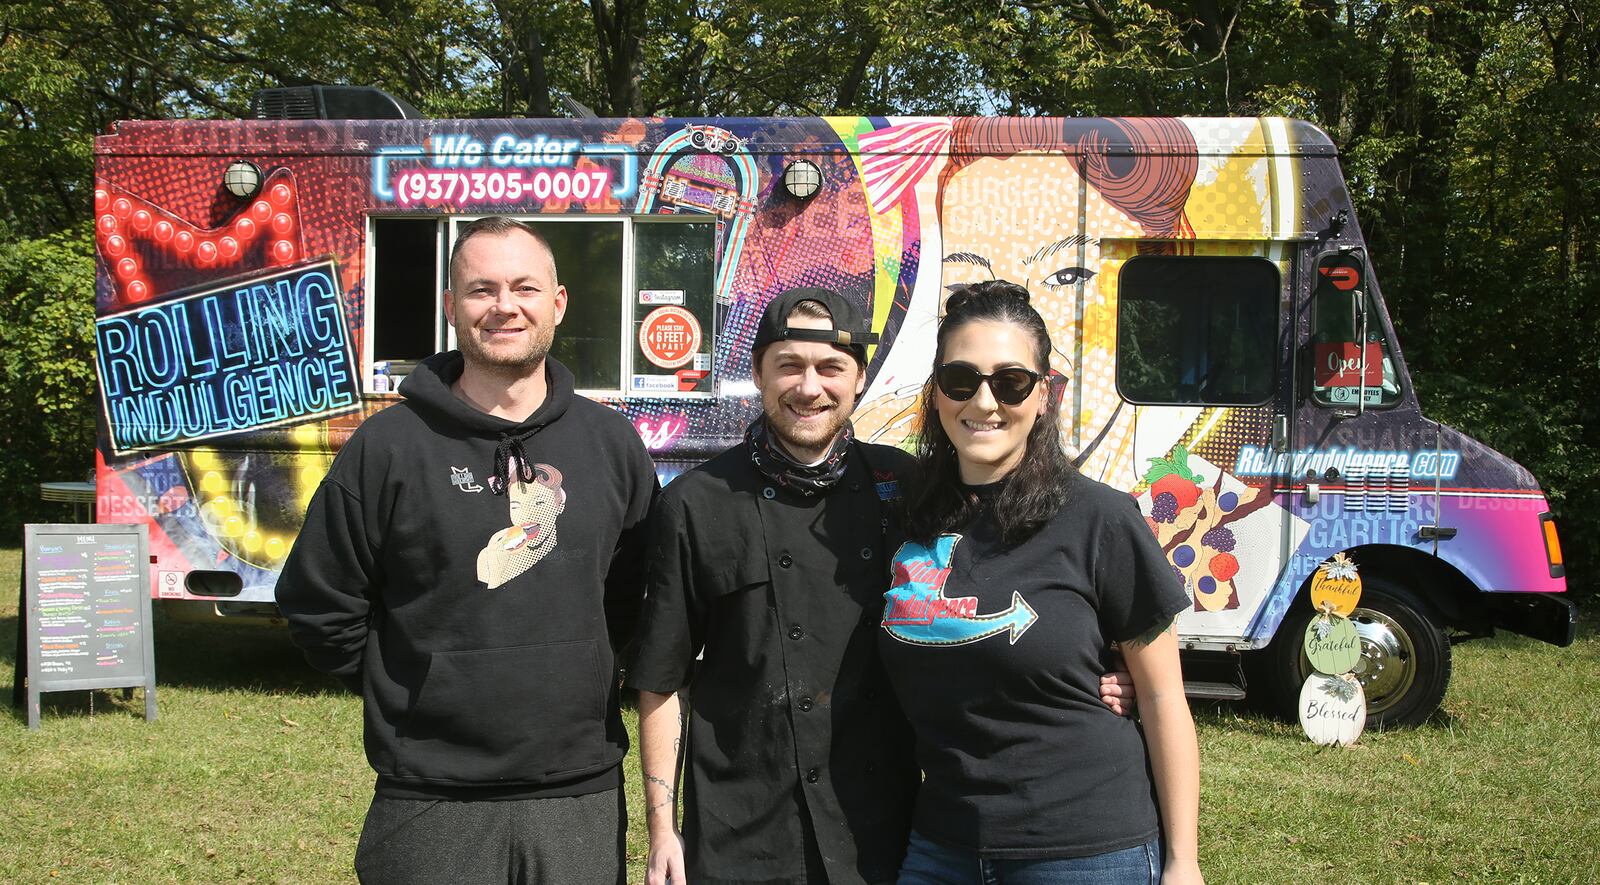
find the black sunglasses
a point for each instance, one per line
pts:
(1010, 386)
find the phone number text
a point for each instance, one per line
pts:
(500, 186)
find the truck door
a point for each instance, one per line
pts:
(1351, 479)
(1202, 344)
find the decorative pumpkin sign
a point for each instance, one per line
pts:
(1333, 709)
(1332, 644)
(1336, 587)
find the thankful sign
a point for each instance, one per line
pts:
(1333, 707)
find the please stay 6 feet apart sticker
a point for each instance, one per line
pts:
(669, 337)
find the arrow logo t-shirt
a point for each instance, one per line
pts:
(996, 654)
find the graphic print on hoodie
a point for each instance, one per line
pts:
(535, 506)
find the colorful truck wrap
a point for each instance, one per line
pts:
(1222, 350)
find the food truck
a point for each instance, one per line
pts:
(1222, 351)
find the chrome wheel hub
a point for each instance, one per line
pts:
(1388, 664)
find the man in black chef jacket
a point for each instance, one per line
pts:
(767, 567)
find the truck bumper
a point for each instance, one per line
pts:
(1549, 617)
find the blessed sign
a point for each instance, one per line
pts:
(1333, 709)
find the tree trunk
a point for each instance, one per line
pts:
(619, 31)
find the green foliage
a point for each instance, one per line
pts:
(1467, 134)
(1467, 129)
(47, 401)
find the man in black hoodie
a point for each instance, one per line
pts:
(470, 564)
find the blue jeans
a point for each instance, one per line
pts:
(929, 863)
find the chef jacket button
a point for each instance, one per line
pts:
(866, 552)
(871, 768)
(768, 493)
(785, 560)
(855, 487)
(870, 617)
(812, 776)
(795, 632)
(805, 705)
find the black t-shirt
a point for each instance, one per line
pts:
(764, 604)
(996, 655)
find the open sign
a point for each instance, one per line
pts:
(1339, 364)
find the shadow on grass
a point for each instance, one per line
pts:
(1247, 717)
(223, 657)
(1243, 717)
(207, 656)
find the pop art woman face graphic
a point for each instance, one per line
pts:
(1012, 209)
(1017, 219)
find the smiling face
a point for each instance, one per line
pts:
(808, 389)
(504, 302)
(1026, 218)
(990, 438)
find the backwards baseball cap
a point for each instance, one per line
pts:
(849, 330)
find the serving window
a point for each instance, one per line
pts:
(641, 314)
(1197, 330)
(589, 263)
(404, 316)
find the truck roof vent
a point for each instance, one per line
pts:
(330, 103)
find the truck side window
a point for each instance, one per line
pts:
(589, 263)
(674, 308)
(1197, 330)
(1336, 376)
(641, 307)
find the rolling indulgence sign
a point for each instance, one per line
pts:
(251, 353)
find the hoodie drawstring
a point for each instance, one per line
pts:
(508, 450)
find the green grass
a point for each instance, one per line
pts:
(254, 772)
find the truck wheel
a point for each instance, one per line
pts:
(1405, 658)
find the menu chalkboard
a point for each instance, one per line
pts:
(86, 611)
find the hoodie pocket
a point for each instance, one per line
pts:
(515, 715)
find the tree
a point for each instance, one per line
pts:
(46, 366)
(1467, 130)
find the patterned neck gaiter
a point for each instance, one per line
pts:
(776, 465)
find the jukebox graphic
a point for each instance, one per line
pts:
(706, 170)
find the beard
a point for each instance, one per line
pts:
(525, 356)
(803, 439)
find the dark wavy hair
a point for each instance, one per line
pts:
(1037, 488)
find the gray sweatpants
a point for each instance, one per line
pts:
(576, 839)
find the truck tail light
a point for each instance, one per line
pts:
(1552, 546)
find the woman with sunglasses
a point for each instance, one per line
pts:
(1019, 577)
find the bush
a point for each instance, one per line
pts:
(47, 378)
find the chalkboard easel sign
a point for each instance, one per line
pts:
(85, 612)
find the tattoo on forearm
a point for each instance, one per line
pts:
(672, 795)
(1153, 633)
